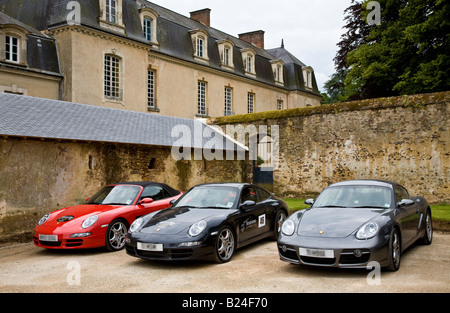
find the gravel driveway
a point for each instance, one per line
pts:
(255, 269)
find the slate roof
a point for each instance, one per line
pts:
(24, 116)
(173, 33)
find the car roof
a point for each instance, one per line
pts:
(236, 185)
(172, 191)
(370, 182)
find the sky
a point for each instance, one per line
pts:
(310, 28)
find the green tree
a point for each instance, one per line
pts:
(407, 54)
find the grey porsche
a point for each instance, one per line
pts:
(354, 223)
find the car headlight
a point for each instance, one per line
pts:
(136, 225)
(288, 227)
(367, 231)
(197, 228)
(44, 219)
(89, 221)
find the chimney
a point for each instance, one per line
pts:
(202, 16)
(256, 38)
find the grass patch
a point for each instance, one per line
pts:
(440, 212)
(295, 204)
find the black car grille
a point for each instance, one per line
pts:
(321, 261)
(348, 257)
(288, 253)
(171, 254)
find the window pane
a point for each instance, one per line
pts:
(148, 29)
(112, 77)
(151, 90)
(12, 49)
(251, 103)
(201, 101)
(228, 101)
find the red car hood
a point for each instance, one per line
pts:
(79, 213)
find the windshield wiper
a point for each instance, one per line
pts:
(331, 206)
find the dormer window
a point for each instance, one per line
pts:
(226, 54)
(308, 77)
(278, 71)
(13, 45)
(111, 15)
(200, 44)
(248, 58)
(149, 24)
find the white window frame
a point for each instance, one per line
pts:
(111, 11)
(201, 98)
(148, 28)
(200, 51)
(228, 101)
(250, 102)
(151, 90)
(279, 104)
(112, 77)
(10, 54)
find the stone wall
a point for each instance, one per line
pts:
(404, 139)
(39, 176)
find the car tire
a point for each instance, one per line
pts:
(428, 237)
(225, 245)
(115, 235)
(279, 220)
(395, 251)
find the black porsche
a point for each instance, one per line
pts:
(210, 220)
(354, 223)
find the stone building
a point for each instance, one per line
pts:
(138, 56)
(28, 60)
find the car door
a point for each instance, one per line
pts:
(409, 214)
(160, 199)
(253, 218)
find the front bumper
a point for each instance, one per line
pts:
(171, 249)
(349, 252)
(95, 240)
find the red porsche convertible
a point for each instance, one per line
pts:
(105, 217)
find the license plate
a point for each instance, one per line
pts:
(150, 247)
(317, 253)
(50, 238)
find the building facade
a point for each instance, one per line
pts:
(28, 61)
(138, 56)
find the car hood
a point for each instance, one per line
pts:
(176, 220)
(334, 222)
(76, 214)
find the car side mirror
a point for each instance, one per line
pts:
(405, 202)
(146, 201)
(247, 204)
(309, 202)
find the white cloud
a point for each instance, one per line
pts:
(310, 29)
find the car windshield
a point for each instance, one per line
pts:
(115, 195)
(354, 197)
(210, 197)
